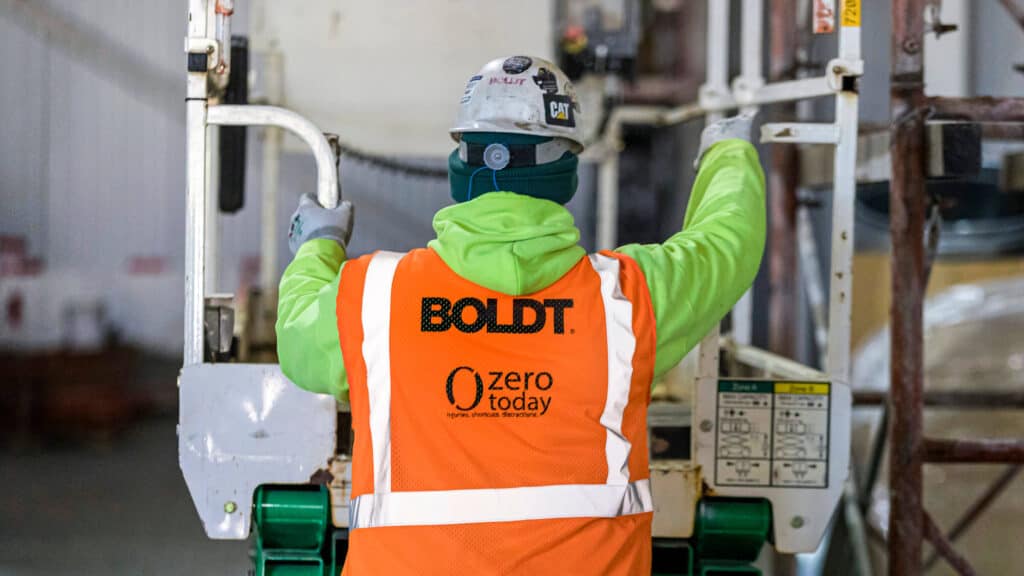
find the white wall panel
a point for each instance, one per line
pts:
(387, 75)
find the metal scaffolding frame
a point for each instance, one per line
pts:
(909, 523)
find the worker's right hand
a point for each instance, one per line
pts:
(725, 129)
(311, 220)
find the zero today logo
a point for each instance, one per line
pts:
(498, 393)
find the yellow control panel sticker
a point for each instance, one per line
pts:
(801, 388)
(851, 13)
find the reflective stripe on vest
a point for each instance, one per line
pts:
(617, 497)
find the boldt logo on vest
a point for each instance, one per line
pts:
(498, 393)
(528, 316)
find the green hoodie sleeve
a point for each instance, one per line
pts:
(698, 274)
(307, 328)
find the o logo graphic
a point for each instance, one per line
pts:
(451, 392)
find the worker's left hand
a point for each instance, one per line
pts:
(725, 129)
(311, 220)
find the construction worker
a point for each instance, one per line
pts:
(499, 378)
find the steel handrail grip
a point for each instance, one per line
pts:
(328, 192)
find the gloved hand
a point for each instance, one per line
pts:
(311, 220)
(727, 128)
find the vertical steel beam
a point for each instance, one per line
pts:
(782, 183)
(195, 193)
(907, 223)
(840, 283)
(716, 85)
(782, 257)
(751, 78)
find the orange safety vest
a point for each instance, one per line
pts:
(497, 434)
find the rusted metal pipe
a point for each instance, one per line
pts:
(980, 451)
(980, 505)
(907, 221)
(783, 182)
(978, 399)
(944, 548)
(977, 109)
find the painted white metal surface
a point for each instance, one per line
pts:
(195, 193)
(243, 425)
(676, 489)
(270, 236)
(327, 189)
(797, 132)
(387, 75)
(800, 516)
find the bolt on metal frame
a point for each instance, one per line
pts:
(909, 522)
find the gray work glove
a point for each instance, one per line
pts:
(311, 220)
(725, 129)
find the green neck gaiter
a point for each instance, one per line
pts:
(555, 181)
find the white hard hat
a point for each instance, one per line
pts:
(520, 95)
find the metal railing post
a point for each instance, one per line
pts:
(195, 193)
(907, 221)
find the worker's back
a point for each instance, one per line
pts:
(497, 434)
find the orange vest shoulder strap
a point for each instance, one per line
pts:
(351, 300)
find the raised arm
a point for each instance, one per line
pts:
(699, 273)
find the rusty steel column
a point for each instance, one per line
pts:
(783, 181)
(907, 224)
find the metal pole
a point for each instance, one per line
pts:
(782, 257)
(608, 199)
(952, 399)
(751, 78)
(843, 202)
(907, 221)
(980, 451)
(980, 505)
(270, 180)
(977, 109)
(944, 547)
(268, 217)
(717, 86)
(212, 236)
(1015, 10)
(195, 194)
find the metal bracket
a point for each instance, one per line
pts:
(840, 68)
(206, 46)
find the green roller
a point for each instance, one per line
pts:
(731, 530)
(294, 518)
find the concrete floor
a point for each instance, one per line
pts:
(117, 509)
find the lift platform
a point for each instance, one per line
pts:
(756, 460)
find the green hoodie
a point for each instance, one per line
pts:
(516, 244)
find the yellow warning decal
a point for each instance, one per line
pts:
(801, 388)
(851, 13)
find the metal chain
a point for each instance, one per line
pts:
(389, 164)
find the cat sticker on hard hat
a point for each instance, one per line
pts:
(558, 110)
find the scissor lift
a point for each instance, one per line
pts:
(768, 458)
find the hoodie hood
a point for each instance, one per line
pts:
(507, 242)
